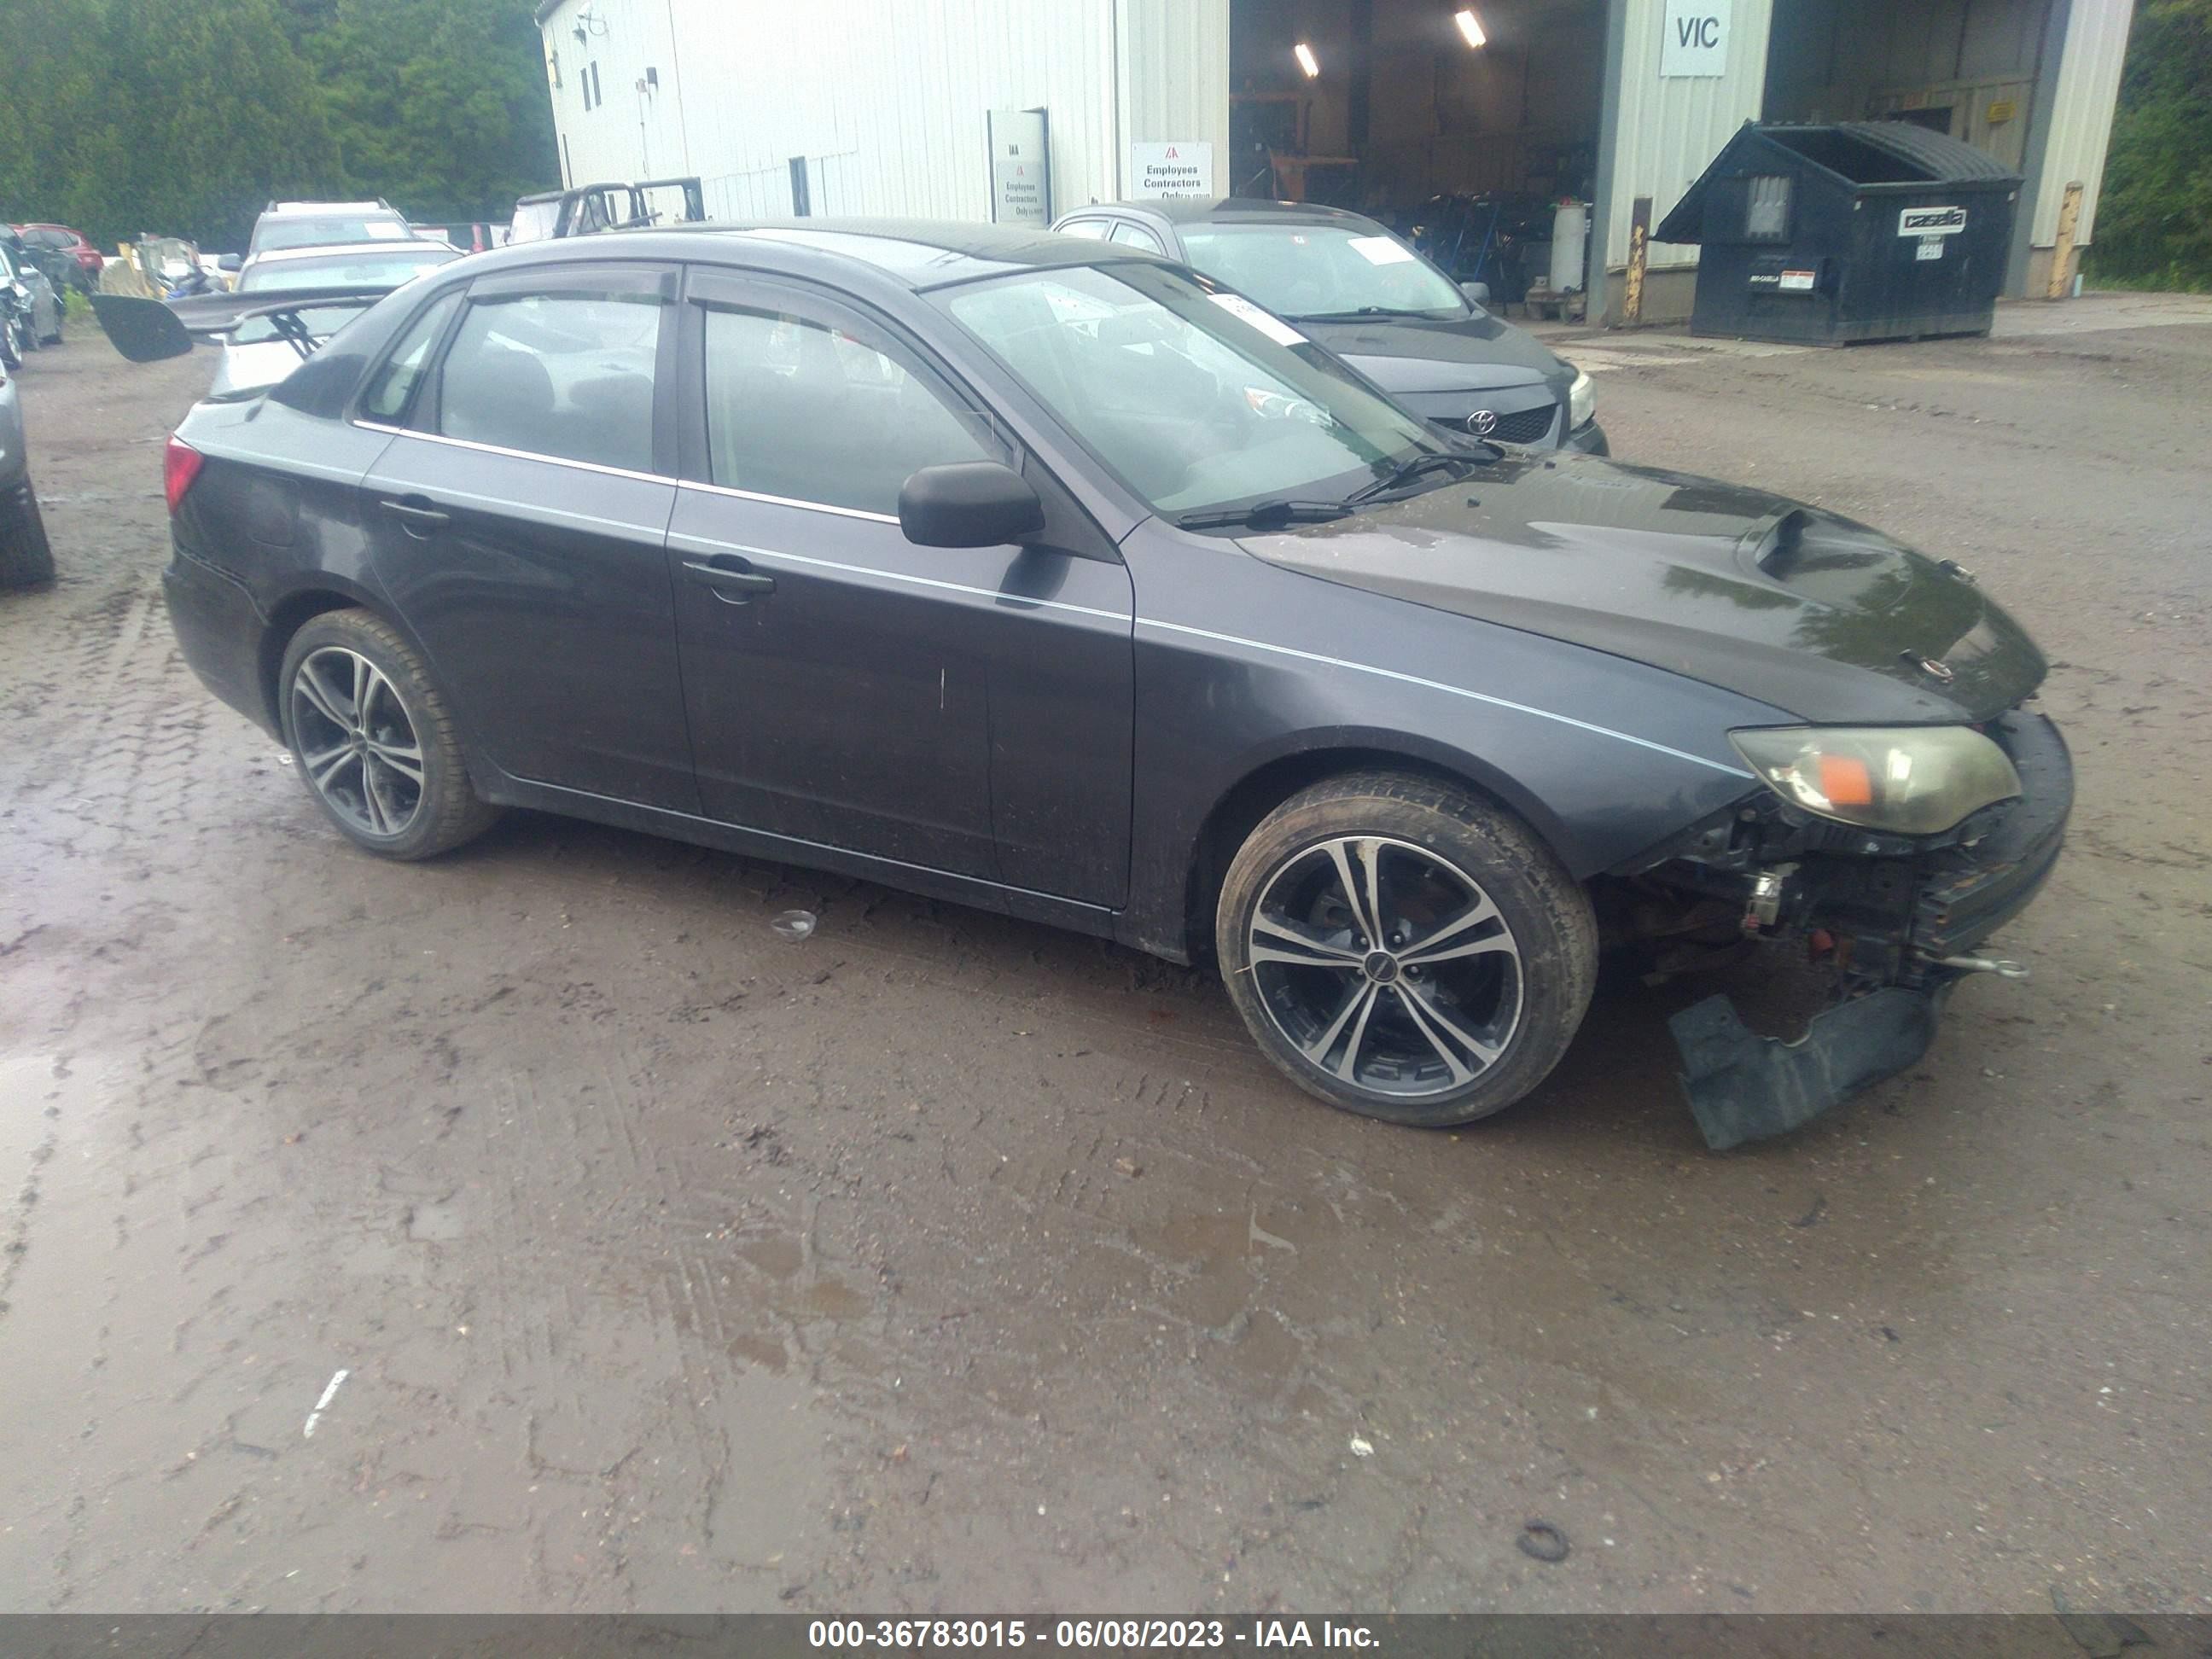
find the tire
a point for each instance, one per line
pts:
(1393, 1033)
(26, 558)
(11, 344)
(388, 795)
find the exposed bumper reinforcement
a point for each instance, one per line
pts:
(1742, 1086)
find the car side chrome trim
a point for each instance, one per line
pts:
(988, 593)
(514, 454)
(778, 554)
(626, 473)
(789, 501)
(1455, 690)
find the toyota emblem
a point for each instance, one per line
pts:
(1482, 422)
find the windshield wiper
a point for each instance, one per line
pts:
(1266, 515)
(1357, 312)
(1406, 471)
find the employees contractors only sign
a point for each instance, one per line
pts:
(1696, 40)
(1182, 167)
(1021, 188)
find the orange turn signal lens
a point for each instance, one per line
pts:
(1846, 780)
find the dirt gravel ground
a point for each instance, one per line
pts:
(538, 1230)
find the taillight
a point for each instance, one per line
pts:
(180, 465)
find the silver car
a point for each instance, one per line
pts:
(25, 560)
(43, 327)
(257, 355)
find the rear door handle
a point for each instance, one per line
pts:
(733, 579)
(416, 516)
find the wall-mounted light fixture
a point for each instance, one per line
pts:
(1307, 61)
(1470, 27)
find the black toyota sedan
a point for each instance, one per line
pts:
(1038, 574)
(1357, 288)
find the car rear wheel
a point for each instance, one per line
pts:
(1404, 950)
(375, 741)
(26, 558)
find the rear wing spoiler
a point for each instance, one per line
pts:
(153, 331)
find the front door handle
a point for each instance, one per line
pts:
(416, 516)
(733, 579)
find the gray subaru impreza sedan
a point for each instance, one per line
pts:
(1042, 574)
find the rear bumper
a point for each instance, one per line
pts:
(1907, 954)
(219, 628)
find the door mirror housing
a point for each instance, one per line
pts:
(1478, 292)
(969, 504)
(229, 262)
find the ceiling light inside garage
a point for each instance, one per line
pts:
(1307, 61)
(1471, 27)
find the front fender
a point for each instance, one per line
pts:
(1601, 756)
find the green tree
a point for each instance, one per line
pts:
(64, 157)
(2154, 212)
(185, 116)
(220, 114)
(439, 104)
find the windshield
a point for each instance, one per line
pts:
(385, 270)
(1197, 400)
(328, 230)
(344, 271)
(1322, 270)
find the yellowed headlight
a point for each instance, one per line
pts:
(1906, 781)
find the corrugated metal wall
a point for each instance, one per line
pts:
(1174, 75)
(2082, 113)
(632, 130)
(1665, 131)
(886, 99)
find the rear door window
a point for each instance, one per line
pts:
(391, 388)
(568, 375)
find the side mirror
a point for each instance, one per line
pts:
(229, 262)
(1478, 292)
(969, 504)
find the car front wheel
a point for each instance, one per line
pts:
(1404, 950)
(373, 740)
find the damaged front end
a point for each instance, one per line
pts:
(1891, 923)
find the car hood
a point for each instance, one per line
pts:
(1460, 354)
(1799, 609)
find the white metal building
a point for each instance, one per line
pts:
(932, 107)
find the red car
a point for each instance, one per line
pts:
(62, 240)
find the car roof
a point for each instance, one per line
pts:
(913, 253)
(1235, 211)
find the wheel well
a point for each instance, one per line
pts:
(1260, 793)
(293, 614)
